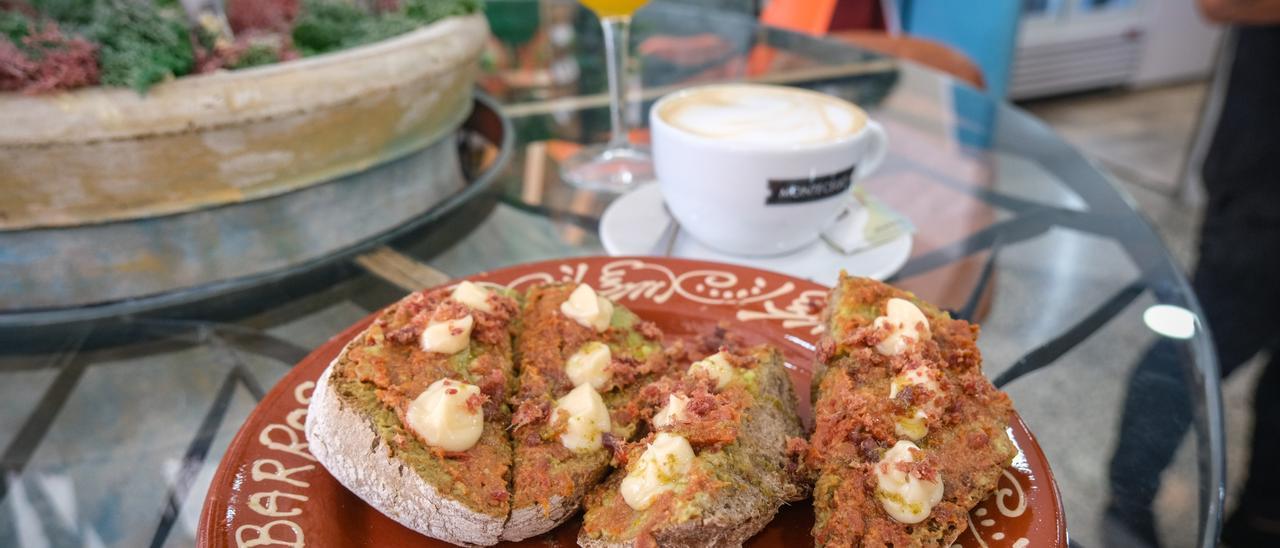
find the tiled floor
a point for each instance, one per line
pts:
(1141, 137)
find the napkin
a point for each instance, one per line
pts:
(866, 223)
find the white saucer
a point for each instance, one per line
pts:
(635, 222)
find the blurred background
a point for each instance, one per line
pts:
(190, 220)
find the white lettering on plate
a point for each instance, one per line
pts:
(268, 504)
(303, 387)
(280, 473)
(264, 536)
(297, 419)
(295, 445)
(287, 439)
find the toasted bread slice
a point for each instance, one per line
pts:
(738, 426)
(550, 479)
(357, 427)
(915, 403)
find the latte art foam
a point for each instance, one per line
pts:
(756, 114)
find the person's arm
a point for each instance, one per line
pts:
(1241, 12)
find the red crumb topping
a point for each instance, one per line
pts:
(966, 444)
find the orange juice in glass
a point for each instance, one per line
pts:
(614, 8)
(619, 165)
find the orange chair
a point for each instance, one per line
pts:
(807, 16)
(815, 16)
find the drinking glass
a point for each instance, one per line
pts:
(619, 165)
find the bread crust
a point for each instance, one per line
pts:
(533, 520)
(696, 536)
(347, 444)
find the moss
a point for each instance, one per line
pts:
(325, 25)
(14, 26)
(256, 55)
(383, 27)
(139, 45)
(77, 12)
(428, 11)
(330, 25)
(38, 56)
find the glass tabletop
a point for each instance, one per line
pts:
(111, 436)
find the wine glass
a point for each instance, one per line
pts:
(619, 165)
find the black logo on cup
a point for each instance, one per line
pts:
(794, 191)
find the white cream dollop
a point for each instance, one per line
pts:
(659, 469)
(473, 296)
(905, 323)
(440, 415)
(590, 365)
(675, 409)
(587, 416)
(717, 367)
(921, 376)
(905, 496)
(916, 426)
(587, 308)
(448, 337)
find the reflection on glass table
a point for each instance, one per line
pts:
(111, 430)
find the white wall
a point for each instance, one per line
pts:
(1178, 45)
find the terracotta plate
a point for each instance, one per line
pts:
(268, 489)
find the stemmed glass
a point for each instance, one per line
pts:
(619, 165)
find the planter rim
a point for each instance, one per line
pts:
(238, 97)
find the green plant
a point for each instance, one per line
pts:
(430, 11)
(256, 55)
(140, 45)
(330, 25)
(67, 12)
(326, 25)
(14, 26)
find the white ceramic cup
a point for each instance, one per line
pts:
(753, 169)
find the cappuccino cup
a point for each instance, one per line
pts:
(753, 169)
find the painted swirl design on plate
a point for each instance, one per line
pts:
(635, 279)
